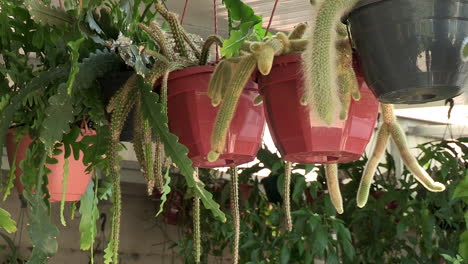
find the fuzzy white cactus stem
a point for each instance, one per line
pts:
(399, 138)
(333, 183)
(320, 84)
(371, 166)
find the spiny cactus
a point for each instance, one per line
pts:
(196, 224)
(235, 213)
(320, 73)
(228, 106)
(371, 166)
(298, 32)
(158, 36)
(287, 195)
(119, 114)
(333, 183)
(210, 41)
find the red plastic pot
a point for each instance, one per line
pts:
(78, 178)
(192, 117)
(303, 139)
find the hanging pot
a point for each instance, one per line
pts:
(300, 137)
(192, 117)
(110, 84)
(410, 49)
(78, 177)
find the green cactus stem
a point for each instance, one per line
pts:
(371, 166)
(287, 195)
(333, 183)
(157, 35)
(321, 88)
(210, 41)
(235, 214)
(118, 117)
(228, 106)
(175, 26)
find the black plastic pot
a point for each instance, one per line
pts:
(110, 84)
(409, 50)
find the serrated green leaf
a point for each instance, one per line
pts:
(166, 191)
(49, 15)
(89, 216)
(59, 115)
(96, 66)
(42, 80)
(6, 222)
(75, 55)
(154, 113)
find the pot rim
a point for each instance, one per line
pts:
(359, 5)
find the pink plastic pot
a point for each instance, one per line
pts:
(78, 178)
(192, 117)
(299, 136)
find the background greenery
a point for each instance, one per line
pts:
(402, 222)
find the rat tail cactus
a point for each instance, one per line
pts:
(321, 82)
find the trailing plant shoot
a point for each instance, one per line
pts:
(287, 196)
(235, 214)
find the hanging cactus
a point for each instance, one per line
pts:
(333, 183)
(321, 82)
(235, 214)
(196, 223)
(229, 104)
(287, 195)
(391, 128)
(209, 42)
(118, 117)
(371, 166)
(220, 80)
(231, 75)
